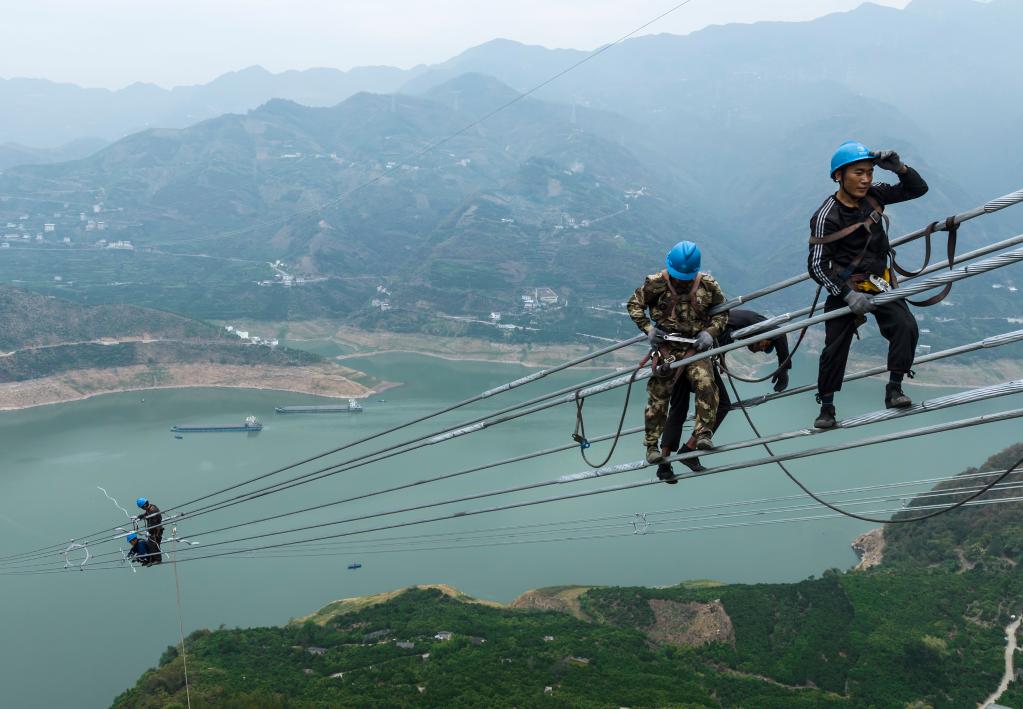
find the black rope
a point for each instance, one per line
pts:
(784, 362)
(853, 515)
(580, 424)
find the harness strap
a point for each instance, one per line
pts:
(692, 291)
(953, 233)
(873, 218)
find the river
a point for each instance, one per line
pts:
(77, 639)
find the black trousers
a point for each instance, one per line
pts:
(678, 410)
(897, 325)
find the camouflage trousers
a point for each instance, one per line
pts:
(658, 389)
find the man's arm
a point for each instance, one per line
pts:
(719, 322)
(637, 308)
(910, 186)
(818, 262)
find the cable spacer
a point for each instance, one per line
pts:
(73, 547)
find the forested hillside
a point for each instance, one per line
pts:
(913, 632)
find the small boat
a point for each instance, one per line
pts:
(352, 407)
(178, 436)
(252, 425)
(355, 565)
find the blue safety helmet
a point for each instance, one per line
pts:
(132, 537)
(142, 502)
(849, 152)
(683, 261)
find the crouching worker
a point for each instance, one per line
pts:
(143, 551)
(850, 258)
(738, 319)
(679, 300)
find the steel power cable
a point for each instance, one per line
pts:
(994, 205)
(854, 515)
(411, 543)
(901, 435)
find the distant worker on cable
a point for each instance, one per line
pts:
(738, 319)
(154, 520)
(679, 300)
(143, 551)
(849, 258)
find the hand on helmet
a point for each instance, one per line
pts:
(704, 341)
(859, 303)
(888, 160)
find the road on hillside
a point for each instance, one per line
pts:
(1010, 653)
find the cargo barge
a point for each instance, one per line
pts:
(352, 407)
(252, 424)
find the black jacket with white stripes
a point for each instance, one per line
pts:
(827, 261)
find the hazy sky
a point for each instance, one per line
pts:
(112, 43)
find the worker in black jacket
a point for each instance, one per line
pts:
(738, 319)
(154, 520)
(849, 258)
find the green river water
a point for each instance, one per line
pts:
(74, 639)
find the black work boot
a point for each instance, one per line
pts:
(653, 455)
(826, 418)
(665, 473)
(693, 463)
(894, 398)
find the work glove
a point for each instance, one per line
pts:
(655, 336)
(859, 303)
(704, 341)
(888, 160)
(780, 380)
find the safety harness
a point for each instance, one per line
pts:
(660, 359)
(870, 283)
(662, 356)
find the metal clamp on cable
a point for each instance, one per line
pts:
(579, 435)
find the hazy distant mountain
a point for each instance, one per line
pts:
(14, 154)
(722, 136)
(541, 195)
(952, 66)
(45, 113)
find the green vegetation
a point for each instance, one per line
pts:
(924, 629)
(980, 537)
(43, 336)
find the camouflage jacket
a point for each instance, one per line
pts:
(654, 296)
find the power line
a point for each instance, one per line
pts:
(901, 435)
(640, 522)
(480, 424)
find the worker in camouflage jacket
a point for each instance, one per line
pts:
(679, 300)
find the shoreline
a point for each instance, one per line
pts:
(384, 387)
(86, 384)
(313, 381)
(456, 358)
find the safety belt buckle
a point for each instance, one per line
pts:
(881, 284)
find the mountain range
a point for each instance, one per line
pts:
(721, 136)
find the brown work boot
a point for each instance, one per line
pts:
(653, 455)
(894, 398)
(703, 441)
